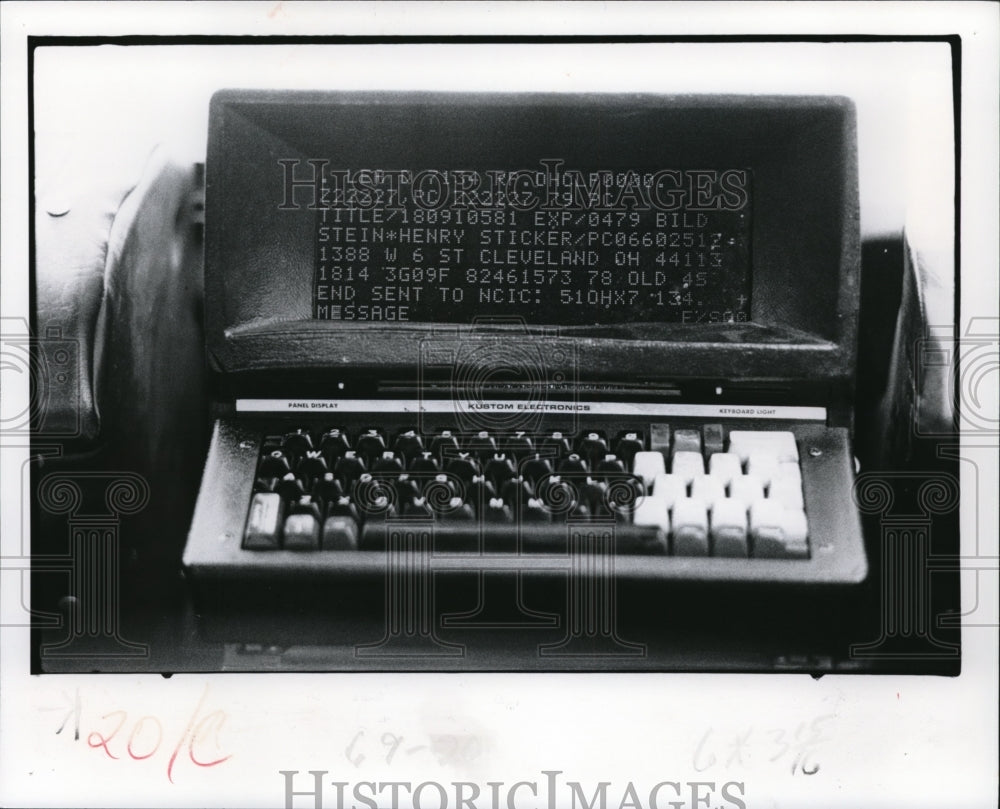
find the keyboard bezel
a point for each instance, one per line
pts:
(214, 551)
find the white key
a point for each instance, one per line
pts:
(687, 465)
(763, 466)
(788, 492)
(781, 445)
(647, 465)
(777, 532)
(669, 488)
(724, 465)
(690, 523)
(709, 489)
(729, 529)
(788, 470)
(747, 489)
(652, 511)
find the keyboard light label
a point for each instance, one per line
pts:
(640, 409)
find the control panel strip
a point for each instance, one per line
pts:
(648, 409)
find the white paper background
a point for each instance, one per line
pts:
(895, 741)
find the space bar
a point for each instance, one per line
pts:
(450, 537)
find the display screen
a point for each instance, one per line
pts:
(549, 244)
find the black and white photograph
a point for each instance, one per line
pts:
(540, 406)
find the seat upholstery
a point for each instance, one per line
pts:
(917, 409)
(117, 273)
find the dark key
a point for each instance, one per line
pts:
(349, 468)
(340, 534)
(333, 444)
(592, 493)
(297, 443)
(481, 445)
(516, 491)
(417, 508)
(408, 445)
(497, 511)
(373, 495)
(264, 523)
(558, 496)
(556, 445)
(518, 445)
(464, 467)
(327, 488)
(312, 466)
(407, 490)
(270, 443)
(499, 468)
(379, 512)
(533, 510)
(275, 464)
(301, 532)
(444, 444)
(389, 463)
(425, 463)
(457, 510)
(573, 466)
(266, 484)
(713, 440)
(621, 497)
(610, 466)
(304, 505)
(370, 444)
(440, 489)
(593, 447)
(290, 487)
(535, 468)
(342, 507)
(628, 444)
(480, 491)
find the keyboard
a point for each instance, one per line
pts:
(692, 492)
(321, 524)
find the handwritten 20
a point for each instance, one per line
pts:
(123, 737)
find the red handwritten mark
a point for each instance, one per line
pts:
(102, 741)
(221, 717)
(135, 732)
(191, 738)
